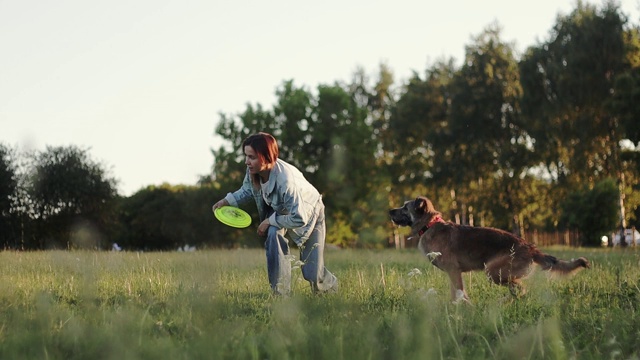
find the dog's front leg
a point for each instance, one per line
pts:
(457, 287)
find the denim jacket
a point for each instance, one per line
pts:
(296, 203)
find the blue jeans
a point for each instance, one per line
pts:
(311, 256)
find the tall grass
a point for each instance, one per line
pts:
(217, 305)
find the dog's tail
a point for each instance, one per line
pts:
(551, 263)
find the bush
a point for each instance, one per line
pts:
(594, 212)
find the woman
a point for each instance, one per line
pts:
(287, 203)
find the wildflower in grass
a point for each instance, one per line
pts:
(433, 255)
(427, 294)
(407, 283)
(414, 272)
(295, 264)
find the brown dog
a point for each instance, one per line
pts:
(456, 249)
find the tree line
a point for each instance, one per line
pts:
(61, 198)
(544, 140)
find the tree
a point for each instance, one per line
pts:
(568, 83)
(623, 105)
(379, 100)
(72, 199)
(592, 211)
(9, 221)
(626, 89)
(485, 141)
(417, 122)
(229, 168)
(167, 217)
(293, 116)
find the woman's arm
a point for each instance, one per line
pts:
(240, 196)
(297, 216)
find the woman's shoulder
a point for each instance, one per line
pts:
(284, 167)
(288, 176)
(285, 171)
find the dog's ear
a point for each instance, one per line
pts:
(429, 206)
(420, 205)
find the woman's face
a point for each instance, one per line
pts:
(253, 162)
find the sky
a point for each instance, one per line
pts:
(141, 84)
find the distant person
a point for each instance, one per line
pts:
(287, 204)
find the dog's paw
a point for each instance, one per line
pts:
(461, 298)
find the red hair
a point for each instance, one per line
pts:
(265, 146)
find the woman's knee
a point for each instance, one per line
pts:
(273, 231)
(276, 239)
(310, 271)
(309, 275)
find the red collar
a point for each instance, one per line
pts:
(435, 219)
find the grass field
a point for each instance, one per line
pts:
(217, 305)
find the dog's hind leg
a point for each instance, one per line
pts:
(516, 289)
(507, 271)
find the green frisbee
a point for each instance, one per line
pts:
(233, 216)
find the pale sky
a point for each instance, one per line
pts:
(140, 83)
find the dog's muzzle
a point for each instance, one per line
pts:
(399, 217)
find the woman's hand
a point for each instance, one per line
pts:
(220, 204)
(263, 227)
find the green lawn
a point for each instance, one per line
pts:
(217, 305)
